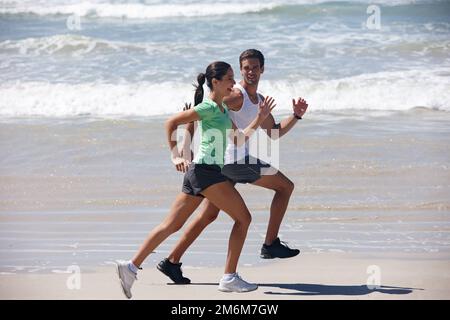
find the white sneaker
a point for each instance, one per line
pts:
(236, 284)
(126, 277)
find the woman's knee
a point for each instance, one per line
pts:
(244, 219)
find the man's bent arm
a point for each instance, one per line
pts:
(283, 127)
(234, 100)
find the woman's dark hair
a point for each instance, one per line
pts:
(252, 54)
(216, 70)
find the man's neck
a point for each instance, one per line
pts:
(251, 89)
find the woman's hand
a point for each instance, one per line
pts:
(265, 107)
(181, 164)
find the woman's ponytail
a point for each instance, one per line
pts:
(198, 96)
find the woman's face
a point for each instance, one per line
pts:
(225, 86)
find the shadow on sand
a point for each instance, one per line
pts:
(305, 289)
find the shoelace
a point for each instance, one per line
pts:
(284, 243)
(239, 277)
(134, 274)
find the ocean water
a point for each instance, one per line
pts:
(85, 87)
(87, 191)
(128, 58)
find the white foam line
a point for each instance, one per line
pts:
(426, 88)
(77, 249)
(370, 232)
(138, 10)
(76, 222)
(136, 232)
(72, 232)
(378, 223)
(386, 243)
(373, 247)
(82, 241)
(86, 213)
(104, 222)
(69, 250)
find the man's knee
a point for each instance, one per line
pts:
(246, 219)
(290, 186)
(209, 217)
(287, 187)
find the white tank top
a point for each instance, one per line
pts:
(241, 119)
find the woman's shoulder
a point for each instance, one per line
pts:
(204, 108)
(205, 104)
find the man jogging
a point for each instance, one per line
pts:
(240, 167)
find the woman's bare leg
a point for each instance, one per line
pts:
(225, 197)
(208, 214)
(181, 210)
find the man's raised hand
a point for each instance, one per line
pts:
(299, 107)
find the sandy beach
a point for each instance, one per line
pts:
(308, 276)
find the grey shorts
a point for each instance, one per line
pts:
(201, 176)
(247, 170)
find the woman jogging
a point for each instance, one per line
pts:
(203, 178)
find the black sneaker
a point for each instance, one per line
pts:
(173, 271)
(278, 249)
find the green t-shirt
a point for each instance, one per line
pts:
(213, 132)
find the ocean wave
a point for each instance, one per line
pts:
(389, 90)
(326, 46)
(312, 45)
(143, 10)
(385, 91)
(74, 44)
(137, 10)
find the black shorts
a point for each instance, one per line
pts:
(201, 176)
(246, 170)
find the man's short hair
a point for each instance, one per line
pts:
(252, 54)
